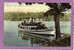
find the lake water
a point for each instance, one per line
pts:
(11, 33)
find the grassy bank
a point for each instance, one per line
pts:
(61, 42)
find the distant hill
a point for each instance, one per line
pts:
(13, 16)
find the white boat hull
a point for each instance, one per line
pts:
(38, 31)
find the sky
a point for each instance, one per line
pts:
(15, 7)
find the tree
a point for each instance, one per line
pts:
(55, 11)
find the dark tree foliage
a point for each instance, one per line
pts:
(20, 3)
(28, 3)
(57, 8)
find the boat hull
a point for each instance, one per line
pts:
(37, 31)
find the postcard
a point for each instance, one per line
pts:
(37, 24)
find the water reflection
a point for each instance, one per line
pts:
(33, 40)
